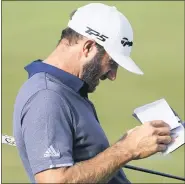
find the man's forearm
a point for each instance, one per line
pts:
(98, 169)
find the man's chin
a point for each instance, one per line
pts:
(92, 90)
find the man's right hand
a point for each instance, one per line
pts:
(147, 139)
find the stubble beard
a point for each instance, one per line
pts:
(92, 72)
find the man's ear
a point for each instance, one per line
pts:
(89, 48)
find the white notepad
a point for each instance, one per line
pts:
(160, 110)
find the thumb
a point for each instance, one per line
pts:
(131, 130)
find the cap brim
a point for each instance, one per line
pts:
(125, 62)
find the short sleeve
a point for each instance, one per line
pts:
(47, 132)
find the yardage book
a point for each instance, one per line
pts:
(160, 110)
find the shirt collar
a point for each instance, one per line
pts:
(66, 78)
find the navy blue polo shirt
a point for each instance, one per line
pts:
(55, 124)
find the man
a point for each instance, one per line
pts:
(56, 128)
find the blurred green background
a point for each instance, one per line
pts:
(30, 30)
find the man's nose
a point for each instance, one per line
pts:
(112, 74)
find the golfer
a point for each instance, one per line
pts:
(56, 128)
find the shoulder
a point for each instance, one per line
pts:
(47, 99)
(44, 107)
(40, 91)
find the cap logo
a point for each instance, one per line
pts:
(98, 35)
(125, 42)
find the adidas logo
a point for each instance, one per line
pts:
(51, 152)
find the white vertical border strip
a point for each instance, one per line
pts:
(0, 88)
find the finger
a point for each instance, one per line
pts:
(164, 139)
(161, 147)
(159, 123)
(162, 131)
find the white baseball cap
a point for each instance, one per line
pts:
(110, 29)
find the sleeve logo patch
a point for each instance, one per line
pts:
(51, 152)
